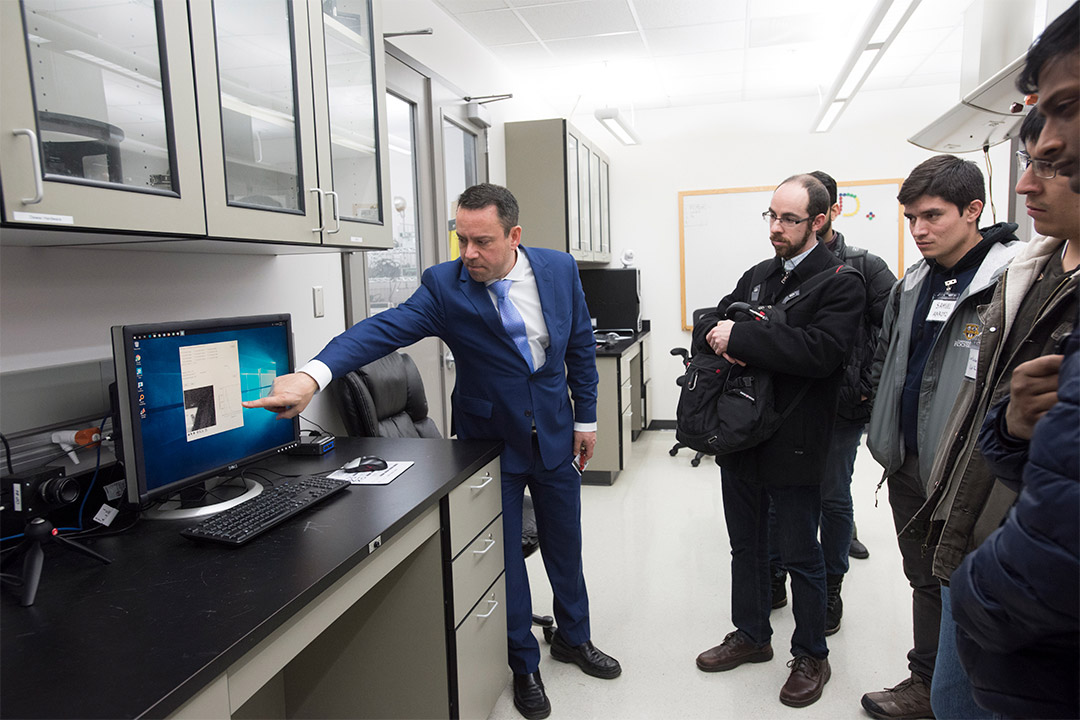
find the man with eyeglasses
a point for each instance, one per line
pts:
(1033, 308)
(805, 351)
(929, 343)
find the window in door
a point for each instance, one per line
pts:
(459, 164)
(394, 274)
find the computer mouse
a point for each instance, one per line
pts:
(367, 463)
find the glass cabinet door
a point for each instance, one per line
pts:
(594, 200)
(585, 218)
(605, 210)
(254, 86)
(349, 100)
(95, 136)
(573, 193)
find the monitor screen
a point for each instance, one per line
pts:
(179, 389)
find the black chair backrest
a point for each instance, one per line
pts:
(385, 399)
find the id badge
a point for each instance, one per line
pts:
(941, 307)
(973, 358)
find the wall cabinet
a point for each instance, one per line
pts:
(561, 181)
(233, 119)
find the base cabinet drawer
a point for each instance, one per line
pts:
(482, 672)
(473, 504)
(477, 567)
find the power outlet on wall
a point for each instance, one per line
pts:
(317, 300)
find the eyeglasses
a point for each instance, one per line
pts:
(770, 217)
(1042, 168)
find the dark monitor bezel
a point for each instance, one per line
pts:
(131, 440)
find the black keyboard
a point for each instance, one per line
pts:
(271, 507)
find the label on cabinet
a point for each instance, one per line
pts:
(43, 218)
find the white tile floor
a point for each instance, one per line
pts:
(658, 572)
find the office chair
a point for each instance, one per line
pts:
(685, 355)
(386, 398)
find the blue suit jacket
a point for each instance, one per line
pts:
(496, 396)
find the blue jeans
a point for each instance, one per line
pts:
(950, 691)
(746, 509)
(837, 512)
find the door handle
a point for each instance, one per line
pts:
(337, 212)
(322, 203)
(35, 159)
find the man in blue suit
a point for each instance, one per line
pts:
(515, 362)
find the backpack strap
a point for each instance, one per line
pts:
(757, 279)
(813, 283)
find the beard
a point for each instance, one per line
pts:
(786, 249)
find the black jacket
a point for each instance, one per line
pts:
(1016, 598)
(857, 369)
(812, 344)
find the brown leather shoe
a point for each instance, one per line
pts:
(907, 701)
(733, 652)
(807, 680)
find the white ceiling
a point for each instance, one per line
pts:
(645, 54)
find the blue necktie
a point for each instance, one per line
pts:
(511, 320)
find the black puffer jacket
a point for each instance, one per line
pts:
(1016, 599)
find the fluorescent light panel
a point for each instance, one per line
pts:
(612, 120)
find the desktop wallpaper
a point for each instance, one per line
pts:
(187, 397)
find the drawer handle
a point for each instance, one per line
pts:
(488, 477)
(494, 604)
(490, 544)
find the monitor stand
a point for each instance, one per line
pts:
(174, 508)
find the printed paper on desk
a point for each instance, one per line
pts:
(375, 477)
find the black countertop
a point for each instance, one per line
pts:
(616, 348)
(140, 636)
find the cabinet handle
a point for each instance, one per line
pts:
(494, 604)
(490, 544)
(487, 481)
(322, 202)
(35, 158)
(337, 212)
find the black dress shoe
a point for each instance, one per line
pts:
(585, 656)
(529, 696)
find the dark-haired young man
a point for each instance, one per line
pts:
(1033, 309)
(1052, 69)
(928, 343)
(807, 350)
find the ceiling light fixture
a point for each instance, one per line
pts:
(610, 118)
(884, 24)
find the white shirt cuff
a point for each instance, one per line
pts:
(319, 372)
(584, 427)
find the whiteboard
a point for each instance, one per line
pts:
(722, 235)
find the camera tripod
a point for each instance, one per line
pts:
(39, 530)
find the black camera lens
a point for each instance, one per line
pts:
(59, 491)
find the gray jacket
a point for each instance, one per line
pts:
(949, 360)
(965, 502)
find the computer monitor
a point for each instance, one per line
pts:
(179, 388)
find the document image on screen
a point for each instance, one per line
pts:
(210, 378)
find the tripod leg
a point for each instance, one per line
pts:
(35, 558)
(79, 547)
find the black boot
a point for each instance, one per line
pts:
(834, 606)
(778, 584)
(857, 549)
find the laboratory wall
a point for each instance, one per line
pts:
(752, 145)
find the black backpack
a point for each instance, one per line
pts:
(725, 407)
